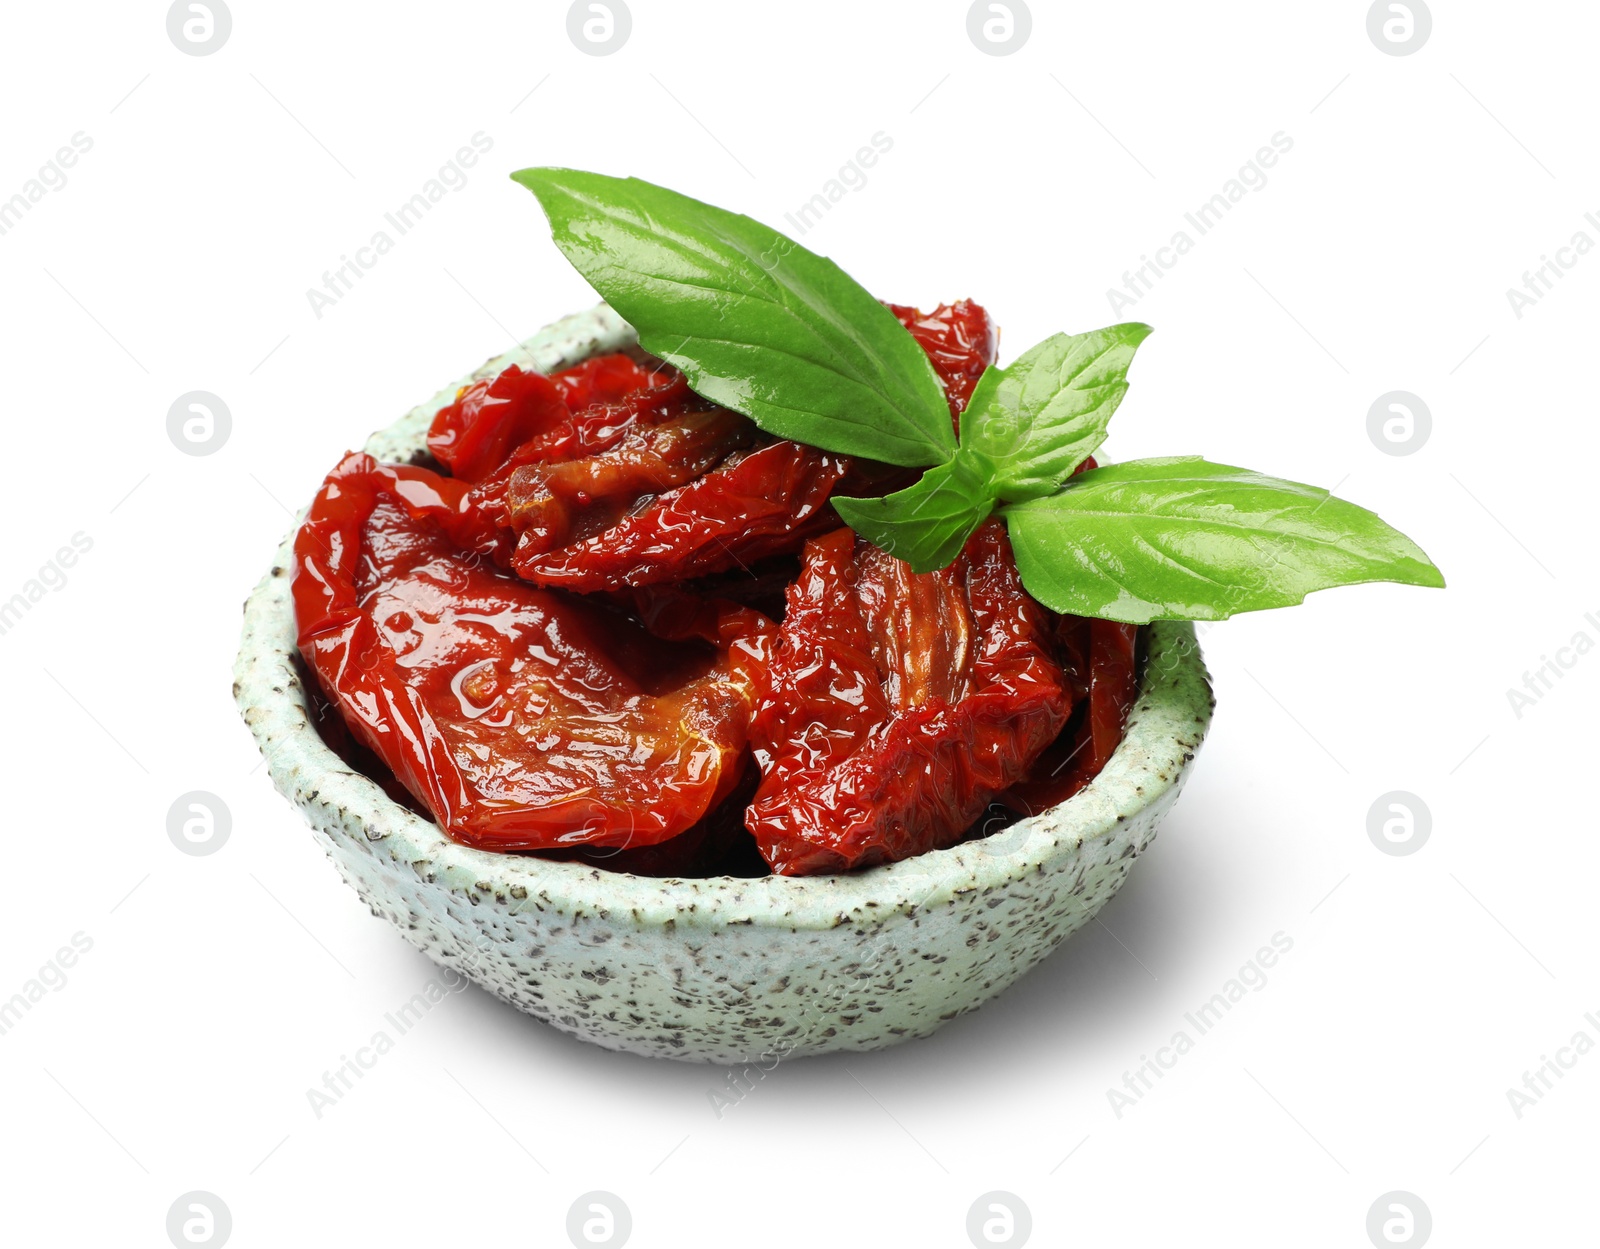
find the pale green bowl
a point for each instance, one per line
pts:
(724, 970)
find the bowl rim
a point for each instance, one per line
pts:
(1164, 732)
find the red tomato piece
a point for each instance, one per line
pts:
(718, 845)
(491, 419)
(614, 474)
(757, 503)
(960, 339)
(519, 417)
(887, 712)
(896, 706)
(521, 718)
(1100, 660)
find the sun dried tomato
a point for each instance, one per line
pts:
(888, 712)
(896, 705)
(615, 474)
(519, 417)
(757, 503)
(718, 845)
(489, 420)
(960, 339)
(521, 718)
(1100, 660)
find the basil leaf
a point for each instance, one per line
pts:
(1186, 539)
(1047, 412)
(926, 524)
(757, 323)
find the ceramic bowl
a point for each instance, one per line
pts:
(723, 970)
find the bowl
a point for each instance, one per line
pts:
(725, 970)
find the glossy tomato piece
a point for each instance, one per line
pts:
(1100, 659)
(491, 419)
(896, 706)
(718, 845)
(614, 474)
(627, 478)
(759, 502)
(521, 718)
(520, 417)
(960, 339)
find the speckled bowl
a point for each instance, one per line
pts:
(722, 970)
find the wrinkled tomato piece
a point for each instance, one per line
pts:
(960, 339)
(614, 474)
(490, 419)
(521, 718)
(1099, 658)
(897, 705)
(718, 845)
(519, 417)
(758, 503)
(596, 495)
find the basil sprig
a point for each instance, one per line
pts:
(756, 322)
(1184, 538)
(762, 326)
(1024, 431)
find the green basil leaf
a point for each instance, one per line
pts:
(1046, 413)
(1186, 539)
(757, 323)
(926, 524)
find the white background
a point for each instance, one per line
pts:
(1419, 989)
